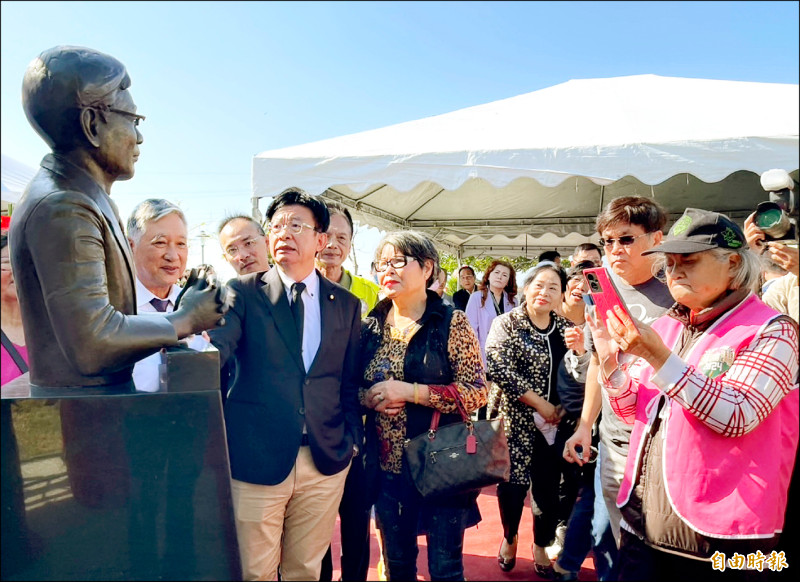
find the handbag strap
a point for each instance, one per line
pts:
(12, 351)
(452, 392)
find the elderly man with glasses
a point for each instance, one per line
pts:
(330, 260)
(354, 511)
(73, 263)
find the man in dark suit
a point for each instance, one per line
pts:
(292, 414)
(72, 263)
(466, 278)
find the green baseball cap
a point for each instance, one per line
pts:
(701, 230)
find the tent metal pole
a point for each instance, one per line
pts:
(256, 212)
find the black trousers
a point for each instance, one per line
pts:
(638, 561)
(544, 474)
(354, 514)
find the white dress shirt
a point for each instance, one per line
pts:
(146, 372)
(312, 317)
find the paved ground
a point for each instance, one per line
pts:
(481, 544)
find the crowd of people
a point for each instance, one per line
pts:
(661, 438)
(323, 385)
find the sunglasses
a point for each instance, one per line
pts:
(619, 378)
(624, 241)
(593, 452)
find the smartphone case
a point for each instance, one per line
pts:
(603, 292)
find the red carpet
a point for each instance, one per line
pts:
(481, 544)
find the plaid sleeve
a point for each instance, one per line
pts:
(734, 404)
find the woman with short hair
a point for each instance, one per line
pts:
(711, 392)
(417, 353)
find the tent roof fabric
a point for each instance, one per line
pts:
(546, 162)
(15, 178)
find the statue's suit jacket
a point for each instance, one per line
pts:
(75, 281)
(272, 396)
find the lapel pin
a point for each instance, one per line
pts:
(330, 296)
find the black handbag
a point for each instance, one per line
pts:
(458, 457)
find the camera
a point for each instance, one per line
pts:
(777, 218)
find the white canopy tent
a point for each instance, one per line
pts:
(531, 172)
(15, 177)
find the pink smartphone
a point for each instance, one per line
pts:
(603, 293)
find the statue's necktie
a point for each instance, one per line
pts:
(159, 304)
(298, 310)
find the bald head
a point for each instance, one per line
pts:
(244, 245)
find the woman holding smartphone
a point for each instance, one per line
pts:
(711, 392)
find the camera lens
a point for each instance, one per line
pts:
(772, 220)
(768, 218)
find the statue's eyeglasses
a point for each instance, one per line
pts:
(135, 116)
(130, 114)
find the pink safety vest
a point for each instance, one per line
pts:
(722, 487)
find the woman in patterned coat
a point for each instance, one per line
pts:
(416, 352)
(523, 351)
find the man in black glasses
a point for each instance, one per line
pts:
(628, 226)
(292, 414)
(71, 260)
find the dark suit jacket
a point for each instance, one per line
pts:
(272, 395)
(460, 299)
(75, 280)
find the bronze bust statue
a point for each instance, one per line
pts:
(71, 260)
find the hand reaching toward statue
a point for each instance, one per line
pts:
(201, 305)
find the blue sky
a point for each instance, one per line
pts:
(222, 81)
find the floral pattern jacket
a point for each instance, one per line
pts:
(518, 359)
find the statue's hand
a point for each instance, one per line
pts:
(201, 304)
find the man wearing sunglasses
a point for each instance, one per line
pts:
(72, 262)
(628, 226)
(292, 414)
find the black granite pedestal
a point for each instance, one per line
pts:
(117, 487)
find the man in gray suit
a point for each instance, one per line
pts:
(71, 260)
(292, 414)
